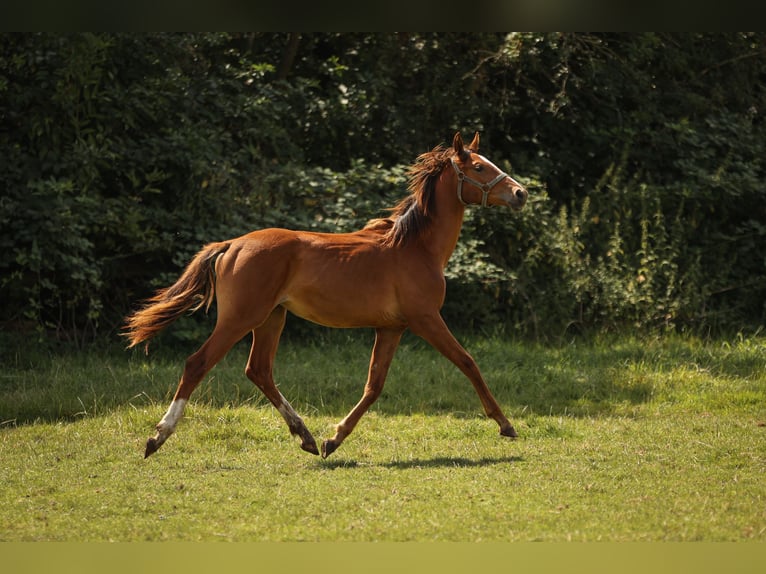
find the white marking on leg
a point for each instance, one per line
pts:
(297, 427)
(168, 423)
(292, 418)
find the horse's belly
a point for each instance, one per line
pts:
(354, 310)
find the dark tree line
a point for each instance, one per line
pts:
(120, 154)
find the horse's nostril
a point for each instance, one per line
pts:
(521, 195)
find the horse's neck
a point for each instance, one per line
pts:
(447, 221)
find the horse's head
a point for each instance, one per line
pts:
(481, 182)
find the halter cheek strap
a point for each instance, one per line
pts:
(484, 187)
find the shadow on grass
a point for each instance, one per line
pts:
(326, 377)
(437, 462)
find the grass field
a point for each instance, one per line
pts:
(623, 439)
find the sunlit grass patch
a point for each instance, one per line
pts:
(619, 440)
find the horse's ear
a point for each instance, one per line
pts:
(474, 145)
(457, 144)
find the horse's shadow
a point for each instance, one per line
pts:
(437, 462)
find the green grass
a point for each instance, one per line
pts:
(622, 439)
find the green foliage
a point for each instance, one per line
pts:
(121, 154)
(125, 155)
(654, 146)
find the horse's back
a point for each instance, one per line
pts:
(345, 280)
(338, 280)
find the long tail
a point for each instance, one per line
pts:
(193, 290)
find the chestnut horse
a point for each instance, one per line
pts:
(388, 275)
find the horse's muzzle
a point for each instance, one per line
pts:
(518, 198)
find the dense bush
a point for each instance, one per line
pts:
(121, 154)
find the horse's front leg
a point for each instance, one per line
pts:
(434, 330)
(386, 343)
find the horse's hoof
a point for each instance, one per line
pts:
(310, 446)
(151, 447)
(508, 431)
(329, 447)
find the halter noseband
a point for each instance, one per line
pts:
(484, 187)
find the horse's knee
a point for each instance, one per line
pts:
(469, 366)
(372, 391)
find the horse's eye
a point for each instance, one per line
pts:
(478, 167)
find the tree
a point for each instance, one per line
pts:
(121, 154)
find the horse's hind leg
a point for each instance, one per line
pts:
(260, 371)
(197, 366)
(386, 343)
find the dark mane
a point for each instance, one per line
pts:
(412, 216)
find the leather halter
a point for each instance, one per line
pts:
(484, 187)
